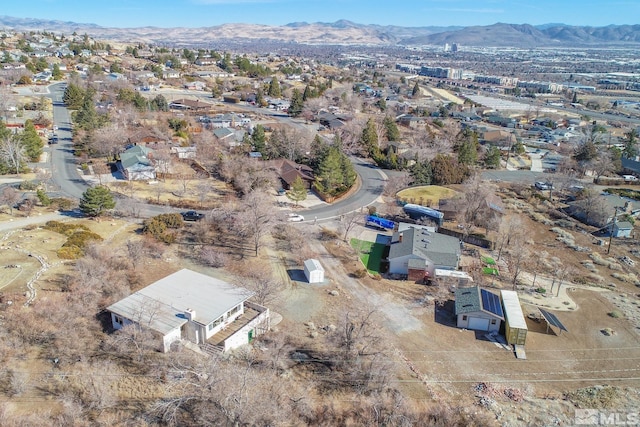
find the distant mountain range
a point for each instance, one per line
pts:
(349, 33)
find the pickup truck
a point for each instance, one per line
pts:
(192, 216)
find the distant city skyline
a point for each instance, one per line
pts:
(407, 13)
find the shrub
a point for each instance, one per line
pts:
(326, 234)
(360, 273)
(29, 185)
(616, 314)
(62, 203)
(81, 238)
(157, 226)
(171, 220)
(541, 290)
(42, 196)
(64, 228)
(70, 252)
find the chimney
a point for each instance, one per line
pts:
(190, 314)
(400, 238)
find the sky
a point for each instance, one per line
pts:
(407, 13)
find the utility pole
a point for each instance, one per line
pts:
(615, 218)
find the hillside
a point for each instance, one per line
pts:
(345, 32)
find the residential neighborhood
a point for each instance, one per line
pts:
(259, 232)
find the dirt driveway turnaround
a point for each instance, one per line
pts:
(426, 338)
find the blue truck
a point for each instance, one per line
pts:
(376, 221)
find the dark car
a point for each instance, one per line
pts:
(192, 216)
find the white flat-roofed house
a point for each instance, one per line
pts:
(191, 306)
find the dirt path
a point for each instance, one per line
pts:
(398, 316)
(13, 224)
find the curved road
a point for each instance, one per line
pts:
(67, 180)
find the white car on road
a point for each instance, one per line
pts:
(293, 217)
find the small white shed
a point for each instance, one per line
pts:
(313, 271)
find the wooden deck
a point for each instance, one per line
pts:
(233, 327)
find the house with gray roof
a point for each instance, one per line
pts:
(417, 250)
(478, 309)
(191, 306)
(136, 163)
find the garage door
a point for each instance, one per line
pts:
(478, 324)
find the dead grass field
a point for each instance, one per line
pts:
(197, 192)
(426, 194)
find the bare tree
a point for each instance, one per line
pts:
(363, 363)
(13, 152)
(347, 222)
(395, 184)
(109, 140)
(136, 251)
(163, 162)
(473, 207)
(258, 277)
(603, 164)
(213, 257)
(509, 230)
(518, 255)
(256, 217)
(158, 191)
(10, 197)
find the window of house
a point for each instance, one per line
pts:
(234, 310)
(464, 317)
(213, 324)
(119, 320)
(493, 321)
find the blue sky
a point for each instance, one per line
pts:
(410, 13)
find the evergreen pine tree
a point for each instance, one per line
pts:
(416, 90)
(96, 200)
(391, 129)
(259, 140)
(31, 141)
(274, 88)
(298, 191)
(295, 108)
(73, 96)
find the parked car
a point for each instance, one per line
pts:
(544, 185)
(192, 216)
(293, 217)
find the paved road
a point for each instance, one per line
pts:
(372, 185)
(64, 172)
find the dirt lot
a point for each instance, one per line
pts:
(434, 360)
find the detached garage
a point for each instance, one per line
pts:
(313, 271)
(478, 309)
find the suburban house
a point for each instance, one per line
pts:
(478, 309)
(194, 307)
(189, 104)
(630, 166)
(621, 229)
(136, 163)
(288, 171)
(418, 252)
(600, 212)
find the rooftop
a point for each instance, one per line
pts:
(162, 304)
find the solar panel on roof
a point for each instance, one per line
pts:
(552, 319)
(491, 302)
